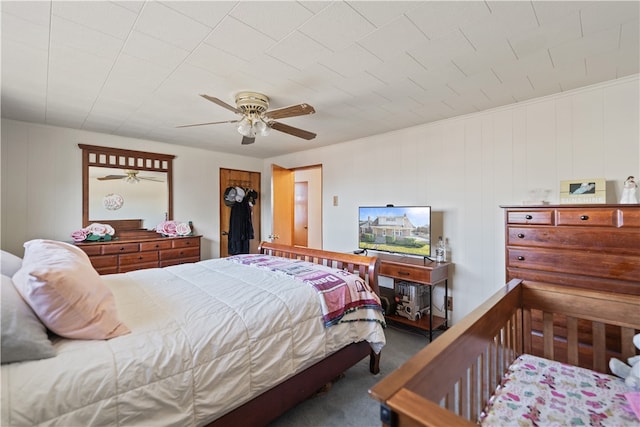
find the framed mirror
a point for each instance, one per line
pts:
(130, 190)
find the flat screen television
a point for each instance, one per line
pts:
(395, 229)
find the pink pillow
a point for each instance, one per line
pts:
(61, 286)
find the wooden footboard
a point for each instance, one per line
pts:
(449, 382)
(274, 402)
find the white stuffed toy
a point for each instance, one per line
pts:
(630, 372)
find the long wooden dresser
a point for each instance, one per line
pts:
(591, 246)
(122, 255)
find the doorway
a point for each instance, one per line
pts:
(301, 214)
(247, 181)
(289, 217)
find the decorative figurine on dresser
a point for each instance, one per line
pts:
(121, 240)
(629, 191)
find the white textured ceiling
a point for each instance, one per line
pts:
(136, 68)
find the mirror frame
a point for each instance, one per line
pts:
(107, 157)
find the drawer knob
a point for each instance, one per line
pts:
(403, 273)
(584, 217)
(122, 248)
(520, 258)
(139, 257)
(520, 236)
(528, 216)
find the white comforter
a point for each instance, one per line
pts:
(206, 338)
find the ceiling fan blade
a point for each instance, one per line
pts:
(292, 111)
(105, 178)
(300, 133)
(151, 179)
(209, 123)
(247, 140)
(221, 103)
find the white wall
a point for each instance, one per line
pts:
(466, 167)
(42, 182)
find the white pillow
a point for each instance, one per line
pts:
(59, 283)
(9, 263)
(23, 336)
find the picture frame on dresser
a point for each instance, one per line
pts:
(583, 191)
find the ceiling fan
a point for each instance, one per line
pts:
(256, 120)
(131, 177)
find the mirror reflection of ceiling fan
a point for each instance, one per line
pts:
(131, 177)
(256, 120)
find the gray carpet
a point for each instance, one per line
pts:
(347, 403)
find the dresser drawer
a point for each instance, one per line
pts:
(601, 239)
(179, 253)
(585, 263)
(140, 266)
(155, 245)
(630, 218)
(138, 258)
(417, 274)
(540, 217)
(108, 270)
(90, 249)
(185, 242)
(606, 217)
(121, 248)
(104, 261)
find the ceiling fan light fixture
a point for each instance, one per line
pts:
(244, 126)
(261, 128)
(132, 177)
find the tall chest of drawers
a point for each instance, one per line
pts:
(120, 256)
(590, 246)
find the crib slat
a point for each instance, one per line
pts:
(526, 333)
(463, 395)
(572, 341)
(491, 362)
(628, 348)
(475, 389)
(547, 330)
(600, 362)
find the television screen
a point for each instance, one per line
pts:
(397, 229)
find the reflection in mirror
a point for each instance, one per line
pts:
(128, 194)
(130, 189)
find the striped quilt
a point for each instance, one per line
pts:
(344, 296)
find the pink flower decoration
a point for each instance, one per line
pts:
(101, 230)
(183, 229)
(79, 235)
(173, 228)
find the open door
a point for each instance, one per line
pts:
(301, 214)
(245, 180)
(282, 204)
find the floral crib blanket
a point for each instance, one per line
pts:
(541, 392)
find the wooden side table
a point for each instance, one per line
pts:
(423, 272)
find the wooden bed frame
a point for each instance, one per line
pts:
(271, 404)
(449, 382)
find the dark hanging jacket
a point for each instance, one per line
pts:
(240, 227)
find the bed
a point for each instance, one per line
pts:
(201, 351)
(452, 382)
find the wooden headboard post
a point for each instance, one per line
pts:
(366, 267)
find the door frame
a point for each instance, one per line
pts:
(244, 179)
(286, 193)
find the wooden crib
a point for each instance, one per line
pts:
(450, 381)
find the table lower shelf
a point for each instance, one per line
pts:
(421, 323)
